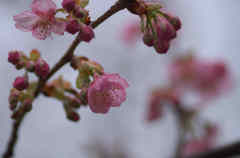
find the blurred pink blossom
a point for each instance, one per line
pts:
(131, 33)
(40, 20)
(207, 78)
(202, 144)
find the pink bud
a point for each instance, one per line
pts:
(68, 5)
(30, 66)
(14, 57)
(73, 27)
(86, 34)
(174, 20)
(80, 12)
(42, 68)
(27, 105)
(73, 116)
(13, 99)
(20, 83)
(161, 46)
(148, 39)
(165, 29)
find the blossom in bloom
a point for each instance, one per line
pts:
(157, 99)
(202, 144)
(207, 78)
(40, 20)
(20, 83)
(42, 68)
(107, 90)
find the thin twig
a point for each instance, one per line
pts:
(221, 152)
(64, 60)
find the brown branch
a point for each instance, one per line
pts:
(14, 137)
(221, 152)
(120, 5)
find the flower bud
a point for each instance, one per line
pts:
(80, 12)
(30, 66)
(148, 39)
(74, 102)
(14, 57)
(13, 99)
(68, 5)
(174, 20)
(73, 27)
(21, 83)
(20, 65)
(86, 34)
(27, 105)
(42, 68)
(161, 46)
(73, 116)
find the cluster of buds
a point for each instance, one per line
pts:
(78, 19)
(41, 20)
(33, 63)
(71, 99)
(20, 102)
(22, 93)
(158, 26)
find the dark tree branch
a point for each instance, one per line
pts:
(221, 152)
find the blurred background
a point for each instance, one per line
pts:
(211, 28)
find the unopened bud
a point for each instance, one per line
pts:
(73, 27)
(14, 57)
(86, 34)
(21, 83)
(68, 5)
(30, 66)
(42, 68)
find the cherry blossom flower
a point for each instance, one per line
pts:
(207, 78)
(40, 20)
(106, 91)
(158, 98)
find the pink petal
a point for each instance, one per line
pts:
(58, 27)
(43, 7)
(116, 78)
(42, 32)
(26, 20)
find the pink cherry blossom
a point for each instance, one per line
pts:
(205, 77)
(106, 91)
(157, 100)
(40, 20)
(131, 33)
